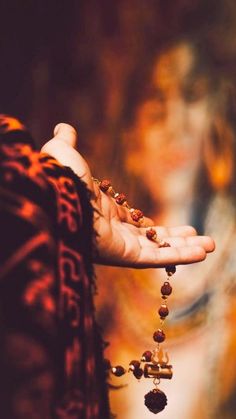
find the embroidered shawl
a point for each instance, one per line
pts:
(51, 350)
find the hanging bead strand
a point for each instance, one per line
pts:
(154, 365)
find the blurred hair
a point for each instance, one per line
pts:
(220, 138)
(219, 147)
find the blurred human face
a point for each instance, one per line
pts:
(169, 127)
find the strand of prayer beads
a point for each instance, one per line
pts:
(153, 363)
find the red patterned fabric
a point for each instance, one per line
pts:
(51, 350)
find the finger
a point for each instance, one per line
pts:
(161, 257)
(126, 217)
(203, 241)
(65, 154)
(66, 133)
(166, 232)
(61, 147)
(147, 222)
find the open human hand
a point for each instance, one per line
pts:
(120, 240)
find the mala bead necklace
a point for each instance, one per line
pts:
(154, 363)
(120, 198)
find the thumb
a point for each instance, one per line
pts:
(66, 133)
(62, 148)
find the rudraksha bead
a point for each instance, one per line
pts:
(133, 365)
(155, 400)
(166, 288)
(170, 270)
(147, 356)
(138, 373)
(120, 198)
(163, 310)
(105, 185)
(136, 214)
(118, 371)
(159, 336)
(151, 234)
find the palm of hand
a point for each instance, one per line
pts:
(120, 241)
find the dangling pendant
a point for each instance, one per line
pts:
(155, 400)
(156, 366)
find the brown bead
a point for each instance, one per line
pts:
(105, 185)
(151, 234)
(159, 336)
(170, 270)
(163, 310)
(120, 198)
(155, 400)
(118, 371)
(138, 373)
(133, 365)
(147, 356)
(166, 288)
(136, 214)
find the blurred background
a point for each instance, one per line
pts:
(150, 86)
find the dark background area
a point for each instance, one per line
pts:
(77, 61)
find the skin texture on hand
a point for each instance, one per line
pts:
(121, 241)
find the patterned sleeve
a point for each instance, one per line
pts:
(51, 350)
